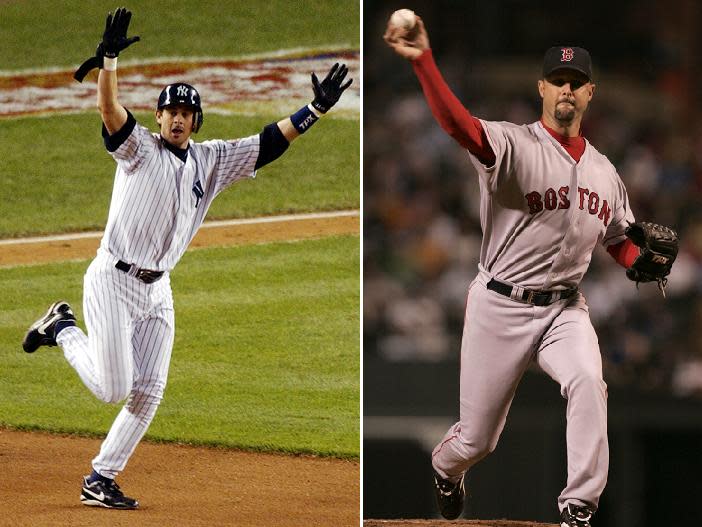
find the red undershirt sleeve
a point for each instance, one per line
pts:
(624, 252)
(453, 117)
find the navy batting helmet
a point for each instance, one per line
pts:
(182, 93)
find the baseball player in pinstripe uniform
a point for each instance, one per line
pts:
(163, 186)
(547, 198)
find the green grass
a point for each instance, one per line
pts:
(57, 176)
(266, 354)
(267, 346)
(40, 33)
(64, 183)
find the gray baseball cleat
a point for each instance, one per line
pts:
(450, 497)
(576, 516)
(105, 493)
(43, 331)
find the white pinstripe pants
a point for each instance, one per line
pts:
(125, 354)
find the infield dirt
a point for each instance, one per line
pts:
(81, 248)
(40, 474)
(175, 485)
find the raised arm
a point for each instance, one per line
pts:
(452, 116)
(276, 137)
(326, 95)
(113, 114)
(114, 40)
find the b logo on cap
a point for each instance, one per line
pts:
(566, 54)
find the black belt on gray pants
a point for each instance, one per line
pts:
(538, 298)
(145, 275)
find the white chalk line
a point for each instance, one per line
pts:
(207, 225)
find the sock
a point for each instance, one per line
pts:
(61, 324)
(94, 476)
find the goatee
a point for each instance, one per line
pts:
(565, 116)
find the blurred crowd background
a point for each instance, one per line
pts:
(421, 201)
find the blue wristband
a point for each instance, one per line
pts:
(303, 119)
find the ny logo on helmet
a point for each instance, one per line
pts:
(566, 54)
(182, 91)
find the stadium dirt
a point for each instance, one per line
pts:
(81, 248)
(176, 485)
(40, 473)
(460, 523)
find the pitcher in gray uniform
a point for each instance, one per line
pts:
(164, 184)
(547, 198)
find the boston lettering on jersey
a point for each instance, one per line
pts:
(553, 199)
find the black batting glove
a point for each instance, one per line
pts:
(114, 38)
(327, 92)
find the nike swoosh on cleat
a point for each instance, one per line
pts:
(100, 497)
(42, 329)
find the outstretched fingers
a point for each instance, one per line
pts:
(339, 79)
(131, 41)
(331, 73)
(315, 81)
(117, 19)
(340, 74)
(127, 18)
(108, 22)
(123, 23)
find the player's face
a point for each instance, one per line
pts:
(566, 94)
(176, 124)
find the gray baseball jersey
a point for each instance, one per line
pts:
(158, 203)
(542, 214)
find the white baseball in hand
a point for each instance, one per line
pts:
(403, 18)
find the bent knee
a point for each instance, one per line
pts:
(149, 394)
(585, 381)
(478, 448)
(115, 393)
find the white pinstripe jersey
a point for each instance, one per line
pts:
(541, 212)
(159, 202)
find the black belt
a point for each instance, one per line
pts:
(145, 275)
(538, 298)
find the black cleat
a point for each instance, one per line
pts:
(42, 332)
(576, 516)
(450, 497)
(105, 493)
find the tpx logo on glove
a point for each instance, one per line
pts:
(657, 258)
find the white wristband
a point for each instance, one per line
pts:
(109, 64)
(315, 111)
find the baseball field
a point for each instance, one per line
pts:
(462, 523)
(260, 420)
